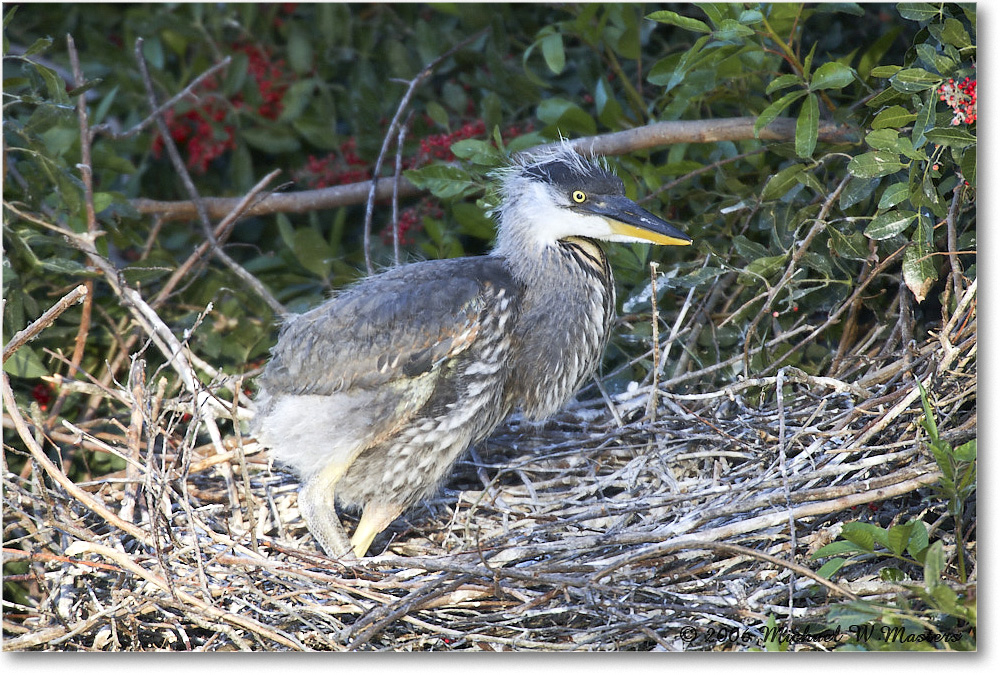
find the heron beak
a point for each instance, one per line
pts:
(629, 220)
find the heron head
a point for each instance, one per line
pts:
(559, 194)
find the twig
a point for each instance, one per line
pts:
(393, 125)
(655, 320)
(697, 172)
(44, 321)
(39, 456)
(189, 186)
(215, 613)
(791, 269)
(779, 391)
(952, 219)
(395, 187)
(163, 107)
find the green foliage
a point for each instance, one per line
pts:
(908, 548)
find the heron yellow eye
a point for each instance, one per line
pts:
(579, 196)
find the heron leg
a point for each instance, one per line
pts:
(317, 503)
(376, 517)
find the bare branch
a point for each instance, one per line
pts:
(619, 143)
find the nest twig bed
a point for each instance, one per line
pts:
(682, 522)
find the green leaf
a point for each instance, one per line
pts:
(918, 539)
(675, 19)
(807, 127)
(954, 33)
(857, 190)
(781, 182)
(862, 534)
(883, 139)
(885, 71)
(889, 224)
(968, 166)
(767, 266)
(274, 139)
(838, 548)
(670, 71)
(39, 45)
(566, 116)
(830, 567)
(913, 80)
(895, 194)
(951, 137)
(831, 75)
(553, 52)
(893, 574)
(437, 113)
(478, 152)
(967, 451)
(312, 251)
(899, 535)
(934, 566)
(781, 82)
(297, 98)
(853, 245)
(772, 111)
(923, 121)
(731, 30)
(918, 11)
(300, 50)
(25, 363)
(919, 270)
(874, 164)
(445, 182)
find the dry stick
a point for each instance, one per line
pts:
(779, 390)
(126, 562)
(619, 143)
(222, 230)
(849, 332)
(86, 175)
(697, 172)
(395, 187)
(803, 247)
(844, 306)
(956, 268)
(105, 130)
(133, 439)
(393, 125)
(732, 548)
(44, 321)
(651, 401)
(767, 520)
(185, 176)
(78, 493)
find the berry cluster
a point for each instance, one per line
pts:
(336, 168)
(960, 97)
(411, 220)
(202, 131)
(439, 145)
(270, 76)
(346, 166)
(195, 131)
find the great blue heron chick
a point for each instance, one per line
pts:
(373, 395)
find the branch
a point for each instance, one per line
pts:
(618, 143)
(411, 88)
(203, 215)
(44, 321)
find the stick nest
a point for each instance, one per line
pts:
(651, 520)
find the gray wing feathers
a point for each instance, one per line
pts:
(392, 326)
